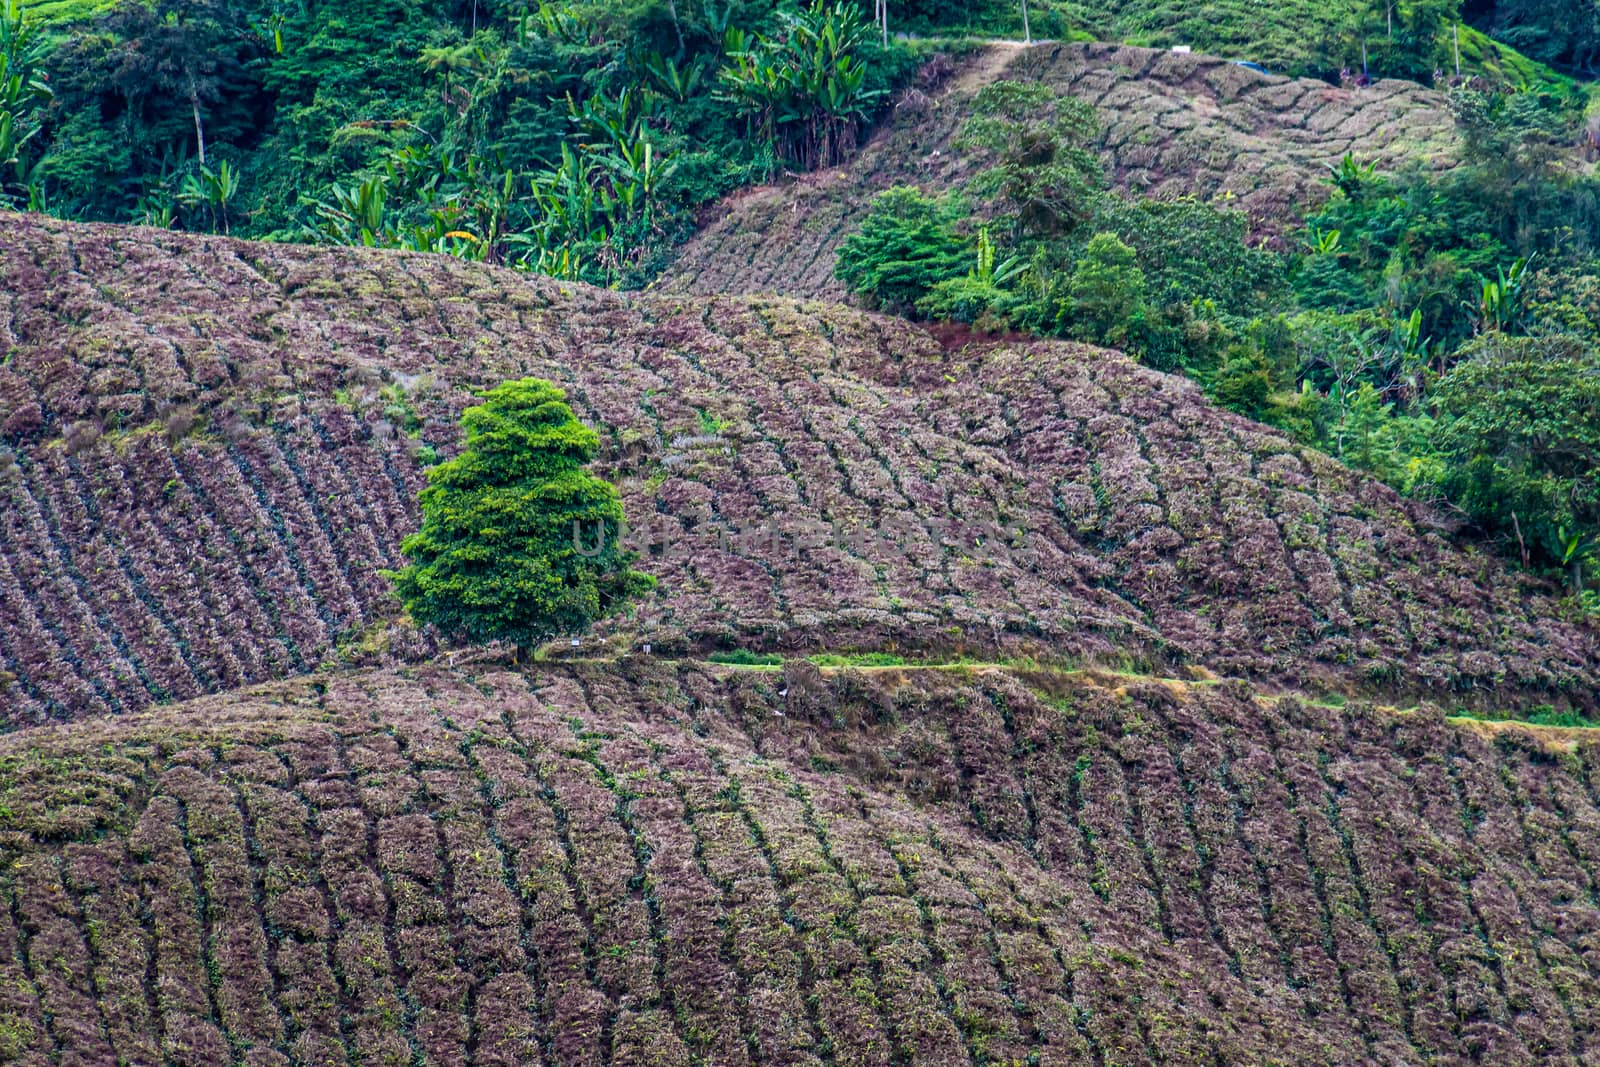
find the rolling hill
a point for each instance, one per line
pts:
(1171, 125)
(654, 863)
(210, 449)
(1146, 750)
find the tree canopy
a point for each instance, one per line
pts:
(1520, 423)
(518, 542)
(906, 245)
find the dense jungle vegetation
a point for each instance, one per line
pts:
(574, 139)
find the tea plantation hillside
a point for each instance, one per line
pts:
(1171, 125)
(648, 863)
(209, 450)
(954, 686)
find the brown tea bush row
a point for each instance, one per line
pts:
(643, 864)
(206, 460)
(1171, 125)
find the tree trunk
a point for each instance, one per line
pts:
(1027, 34)
(677, 28)
(199, 130)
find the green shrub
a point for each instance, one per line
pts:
(518, 542)
(1107, 287)
(906, 245)
(1191, 251)
(743, 657)
(1244, 383)
(1519, 431)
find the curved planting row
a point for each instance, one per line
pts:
(645, 865)
(210, 450)
(1398, 888)
(1171, 125)
(1268, 559)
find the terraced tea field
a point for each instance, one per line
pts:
(646, 863)
(207, 467)
(206, 459)
(1171, 125)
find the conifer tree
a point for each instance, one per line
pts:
(518, 542)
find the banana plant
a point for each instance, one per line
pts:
(1416, 353)
(1501, 301)
(615, 120)
(559, 22)
(271, 28)
(805, 88)
(1577, 552)
(356, 214)
(987, 271)
(213, 190)
(676, 81)
(156, 208)
(1323, 242)
(24, 94)
(1350, 177)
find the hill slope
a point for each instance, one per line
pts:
(205, 463)
(649, 864)
(1170, 125)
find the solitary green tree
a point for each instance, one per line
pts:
(1107, 288)
(518, 543)
(1045, 169)
(907, 244)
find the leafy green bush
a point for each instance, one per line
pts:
(1519, 429)
(1190, 250)
(1371, 434)
(518, 542)
(1107, 287)
(906, 245)
(743, 657)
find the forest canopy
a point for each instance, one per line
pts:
(575, 139)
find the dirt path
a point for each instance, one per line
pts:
(997, 56)
(1553, 737)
